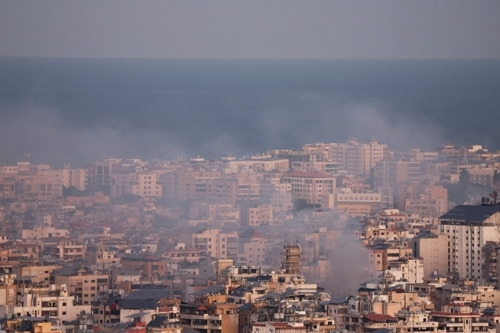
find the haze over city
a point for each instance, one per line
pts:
(249, 166)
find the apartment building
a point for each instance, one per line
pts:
(468, 229)
(461, 318)
(145, 264)
(252, 248)
(8, 187)
(43, 184)
(357, 158)
(216, 243)
(77, 178)
(430, 200)
(357, 203)
(146, 184)
(209, 318)
(54, 302)
(203, 212)
(316, 164)
(264, 163)
(256, 215)
(41, 274)
(277, 194)
(407, 269)
(84, 285)
(100, 174)
(313, 188)
(391, 173)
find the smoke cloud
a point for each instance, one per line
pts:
(79, 111)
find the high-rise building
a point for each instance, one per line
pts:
(468, 229)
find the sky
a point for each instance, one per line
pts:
(386, 29)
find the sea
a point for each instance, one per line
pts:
(76, 111)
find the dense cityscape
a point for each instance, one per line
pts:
(334, 237)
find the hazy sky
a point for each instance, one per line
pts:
(251, 29)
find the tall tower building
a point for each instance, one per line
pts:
(291, 261)
(468, 228)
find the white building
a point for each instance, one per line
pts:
(56, 303)
(407, 270)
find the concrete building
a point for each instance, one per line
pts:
(468, 228)
(461, 318)
(357, 203)
(433, 250)
(54, 303)
(205, 212)
(257, 215)
(41, 274)
(252, 247)
(431, 200)
(391, 173)
(77, 178)
(353, 157)
(313, 188)
(100, 174)
(407, 270)
(85, 286)
(146, 184)
(8, 187)
(264, 163)
(209, 318)
(277, 194)
(40, 183)
(216, 243)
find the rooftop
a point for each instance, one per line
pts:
(469, 213)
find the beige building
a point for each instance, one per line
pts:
(433, 250)
(316, 165)
(262, 163)
(41, 232)
(431, 200)
(38, 274)
(147, 184)
(278, 194)
(252, 248)
(353, 157)
(85, 286)
(392, 173)
(357, 203)
(313, 188)
(257, 215)
(202, 212)
(8, 187)
(209, 318)
(41, 183)
(74, 177)
(216, 243)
